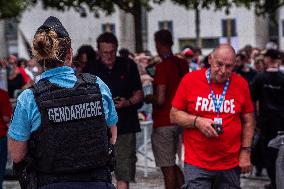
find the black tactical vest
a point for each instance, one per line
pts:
(72, 142)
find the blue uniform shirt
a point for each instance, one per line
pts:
(26, 118)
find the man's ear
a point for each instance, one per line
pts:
(210, 58)
(69, 57)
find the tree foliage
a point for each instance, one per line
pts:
(95, 6)
(14, 8)
(108, 6)
(261, 6)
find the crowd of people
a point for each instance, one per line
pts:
(209, 103)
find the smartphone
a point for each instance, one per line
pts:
(116, 99)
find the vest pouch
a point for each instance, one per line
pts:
(25, 173)
(69, 144)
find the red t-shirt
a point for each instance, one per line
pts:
(169, 72)
(5, 110)
(193, 96)
(25, 75)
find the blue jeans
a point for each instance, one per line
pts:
(3, 158)
(79, 185)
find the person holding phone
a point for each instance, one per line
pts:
(122, 77)
(215, 109)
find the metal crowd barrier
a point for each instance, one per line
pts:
(146, 127)
(278, 143)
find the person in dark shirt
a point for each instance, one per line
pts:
(122, 77)
(86, 58)
(268, 90)
(244, 68)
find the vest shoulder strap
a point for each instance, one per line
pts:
(88, 78)
(41, 87)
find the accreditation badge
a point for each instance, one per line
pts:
(218, 120)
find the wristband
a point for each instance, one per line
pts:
(194, 122)
(248, 149)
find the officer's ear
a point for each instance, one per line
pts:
(69, 57)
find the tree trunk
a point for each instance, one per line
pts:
(229, 32)
(197, 27)
(137, 14)
(3, 41)
(127, 34)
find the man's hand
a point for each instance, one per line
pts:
(205, 126)
(245, 163)
(6, 119)
(121, 103)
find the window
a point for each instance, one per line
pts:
(186, 42)
(11, 35)
(210, 43)
(11, 29)
(229, 27)
(283, 28)
(206, 43)
(167, 25)
(108, 27)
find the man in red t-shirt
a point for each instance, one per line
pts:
(5, 115)
(168, 74)
(215, 97)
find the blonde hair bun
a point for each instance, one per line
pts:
(45, 45)
(51, 43)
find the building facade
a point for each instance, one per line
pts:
(242, 25)
(245, 27)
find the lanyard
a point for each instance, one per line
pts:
(218, 104)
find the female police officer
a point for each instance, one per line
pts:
(58, 137)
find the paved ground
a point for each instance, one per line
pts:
(154, 179)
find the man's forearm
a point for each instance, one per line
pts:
(113, 129)
(248, 124)
(17, 149)
(183, 119)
